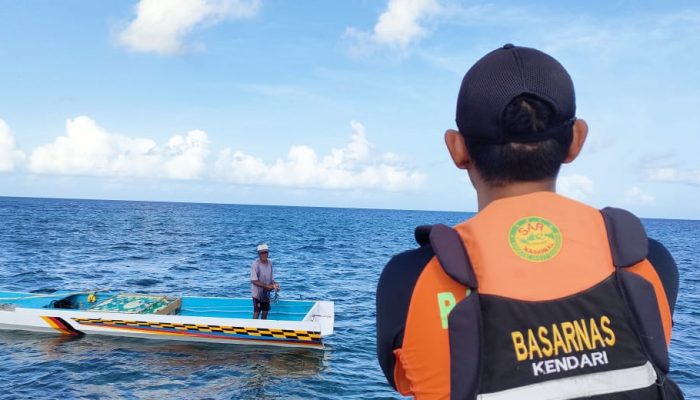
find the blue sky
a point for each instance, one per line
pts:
(330, 104)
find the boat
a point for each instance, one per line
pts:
(290, 323)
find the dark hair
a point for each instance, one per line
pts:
(500, 164)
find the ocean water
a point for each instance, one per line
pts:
(206, 249)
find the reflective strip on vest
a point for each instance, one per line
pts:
(581, 386)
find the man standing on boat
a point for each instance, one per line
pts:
(537, 296)
(262, 281)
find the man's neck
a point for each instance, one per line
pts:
(487, 194)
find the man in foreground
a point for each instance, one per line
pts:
(537, 296)
(262, 281)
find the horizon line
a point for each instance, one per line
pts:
(230, 204)
(284, 205)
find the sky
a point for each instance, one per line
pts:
(332, 104)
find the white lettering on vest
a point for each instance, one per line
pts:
(569, 363)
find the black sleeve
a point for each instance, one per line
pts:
(393, 298)
(666, 268)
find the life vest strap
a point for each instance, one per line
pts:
(641, 299)
(626, 235)
(466, 344)
(453, 257)
(629, 246)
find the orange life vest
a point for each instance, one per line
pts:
(545, 298)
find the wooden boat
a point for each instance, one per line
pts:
(290, 323)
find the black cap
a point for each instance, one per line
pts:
(504, 74)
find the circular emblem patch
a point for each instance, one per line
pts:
(535, 239)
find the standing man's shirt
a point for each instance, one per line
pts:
(262, 272)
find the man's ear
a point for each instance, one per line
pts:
(457, 148)
(580, 133)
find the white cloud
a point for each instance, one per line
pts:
(609, 41)
(576, 186)
(161, 25)
(635, 195)
(9, 154)
(88, 149)
(185, 155)
(674, 175)
(351, 167)
(400, 25)
(599, 144)
(658, 159)
(91, 150)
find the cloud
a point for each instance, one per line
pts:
(674, 175)
(185, 155)
(161, 25)
(658, 159)
(88, 149)
(400, 25)
(600, 144)
(610, 40)
(9, 154)
(576, 186)
(635, 195)
(351, 167)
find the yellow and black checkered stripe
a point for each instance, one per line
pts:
(206, 330)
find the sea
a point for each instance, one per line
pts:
(206, 249)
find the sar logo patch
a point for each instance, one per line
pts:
(535, 239)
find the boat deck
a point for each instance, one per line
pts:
(217, 307)
(282, 310)
(30, 300)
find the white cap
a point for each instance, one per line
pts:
(263, 247)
